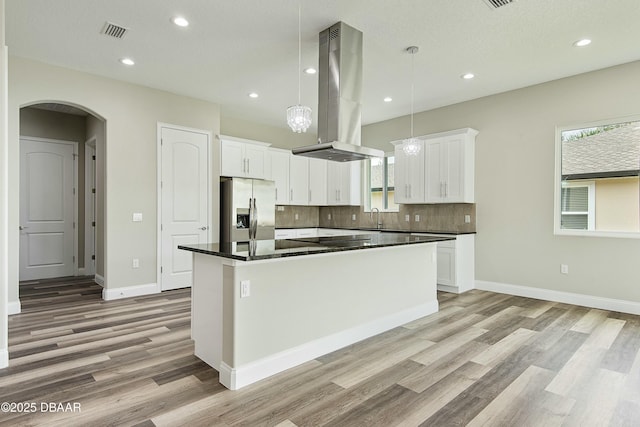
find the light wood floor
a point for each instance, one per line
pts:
(484, 359)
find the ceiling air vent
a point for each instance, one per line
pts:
(114, 30)
(494, 4)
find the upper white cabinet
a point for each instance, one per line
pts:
(298, 180)
(449, 164)
(442, 172)
(343, 183)
(278, 171)
(408, 175)
(242, 158)
(317, 182)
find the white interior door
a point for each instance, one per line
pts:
(185, 217)
(47, 204)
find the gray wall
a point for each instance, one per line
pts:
(280, 137)
(514, 181)
(132, 114)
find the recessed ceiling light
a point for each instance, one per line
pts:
(180, 21)
(127, 61)
(253, 95)
(582, 43)
(467, 76)
(310, 70)
(388, 99)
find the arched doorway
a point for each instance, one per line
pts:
(61, 191)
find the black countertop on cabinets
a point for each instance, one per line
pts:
(271, 249)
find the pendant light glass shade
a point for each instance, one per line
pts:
(411, 146)
(299, 116)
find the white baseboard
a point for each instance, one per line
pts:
(130, 291)
(4, 358)
(14, 307)
(235, 378)
(610, 304)
(99, 280)
(449, 288)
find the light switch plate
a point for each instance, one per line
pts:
(417, 218)
(296, 217)
(137, 216)
(407, 218)
(353, 217)
(329, 217)
(467, 219)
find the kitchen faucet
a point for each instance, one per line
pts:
(378, 222)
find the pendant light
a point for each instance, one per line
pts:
(299, 116)
(411, 145)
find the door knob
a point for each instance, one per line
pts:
(22, 228)
(203, 228)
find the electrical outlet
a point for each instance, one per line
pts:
(137, 217)
(353, 217)
(135, 263)
(296, 216)
(245, 288)
(407, 218)
(467, 219)
(564, 269)
(417, 218)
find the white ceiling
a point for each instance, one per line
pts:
(234, 47)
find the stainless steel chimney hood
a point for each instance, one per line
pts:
(339, 98)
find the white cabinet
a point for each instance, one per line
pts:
(317, 182)
(409, 175)
(306, 232)
(449, 164)
(285, 233)
(456, 263)
(298, 180)
(242, 158)
(343, 183)
(278, 162)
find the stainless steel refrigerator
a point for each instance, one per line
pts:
(247, 209)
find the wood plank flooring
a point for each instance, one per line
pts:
(485, 359)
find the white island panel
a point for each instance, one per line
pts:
(301, 308)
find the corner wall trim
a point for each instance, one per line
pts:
(235, 378)
(130, 291)
(592, 301)
(4, 358)
(99, 280)
(14, 307)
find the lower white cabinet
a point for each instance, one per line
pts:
(456, 263)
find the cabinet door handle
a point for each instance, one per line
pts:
(291, 194)
(446, 190)
(276, 194)
(248, 166)
(410, 192)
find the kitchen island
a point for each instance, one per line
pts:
(261, 308)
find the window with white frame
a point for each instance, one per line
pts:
(578, 206)
(380, 184)
(597, 179)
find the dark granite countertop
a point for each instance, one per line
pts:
(270, 249)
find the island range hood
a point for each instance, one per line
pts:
(339, 98)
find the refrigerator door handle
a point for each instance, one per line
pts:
(253, 219)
